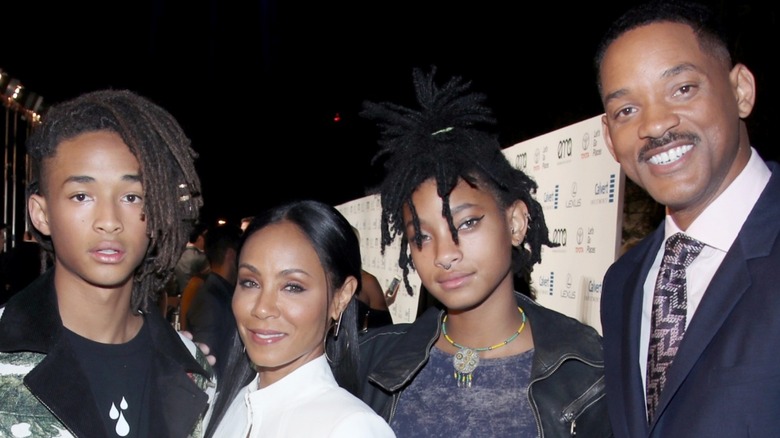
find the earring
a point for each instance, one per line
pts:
(338, 326)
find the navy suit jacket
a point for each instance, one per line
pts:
(725, 378)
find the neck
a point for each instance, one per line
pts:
(97, 313)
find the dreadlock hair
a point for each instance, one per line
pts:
(448, 139)
(172, 197)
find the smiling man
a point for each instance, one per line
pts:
(685, 340)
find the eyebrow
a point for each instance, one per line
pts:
(677, 69)
(453, 212)
(668, 73)
(83, 179)
(461, 207)
(283, 273)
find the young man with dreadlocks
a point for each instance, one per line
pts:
(493, 362)
(84, 351)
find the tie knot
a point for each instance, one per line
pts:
(681, 249)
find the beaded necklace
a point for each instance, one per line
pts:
(466, 359)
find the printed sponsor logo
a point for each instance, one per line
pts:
(559, 236)
(521, 161)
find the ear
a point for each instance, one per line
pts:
(607, 137)
(342, 296)
(517, 218)
(744, 85)
(39, 215)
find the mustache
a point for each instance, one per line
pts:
(655, 143)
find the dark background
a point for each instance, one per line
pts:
(257, 84)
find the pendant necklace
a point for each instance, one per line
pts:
(466, 359)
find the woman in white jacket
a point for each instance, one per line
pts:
(299, 266)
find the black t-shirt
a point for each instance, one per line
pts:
(119, 377)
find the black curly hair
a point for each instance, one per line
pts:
(171, 184)
(449, 138)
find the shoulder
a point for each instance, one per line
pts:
(378, 340)
(556, 331)
(196, 352)
(207, 382)
(378, 344)
(349, 415)
(384, 333)
(191, 346)
(364, 423)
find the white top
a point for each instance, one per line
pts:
(717, 227)
(306, 403)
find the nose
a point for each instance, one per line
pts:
(447, 252)
(107, 219)
(656, 120)
(266, 305)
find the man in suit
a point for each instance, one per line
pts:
(675, 103)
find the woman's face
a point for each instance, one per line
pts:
(281, 301)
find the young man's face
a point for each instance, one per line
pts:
(92, 206)
(672, 115)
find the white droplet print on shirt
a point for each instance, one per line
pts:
(122, 428)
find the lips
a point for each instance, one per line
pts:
(266, 337)
(108, 252)
(453, 280)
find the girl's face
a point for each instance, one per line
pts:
(281, 302)
(464, 275)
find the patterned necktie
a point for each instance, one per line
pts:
(670, 304)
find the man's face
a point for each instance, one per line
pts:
(93, 208)
(673, 116)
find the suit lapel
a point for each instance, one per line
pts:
(731, 281)
(633, 393)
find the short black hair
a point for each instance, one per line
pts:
(199, 229)
(219, 240)
(711, 30)
(172, 194)
(450, 137)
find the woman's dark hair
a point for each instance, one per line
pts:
(338, 250)
(172, 196)
(449, 138)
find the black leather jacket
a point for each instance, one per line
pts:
(56, 391)
(566, 391)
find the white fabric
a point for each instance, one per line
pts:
(306, 403)
(717, 227)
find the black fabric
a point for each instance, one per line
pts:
(368, 318)
(210, 318)
(118, 376)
